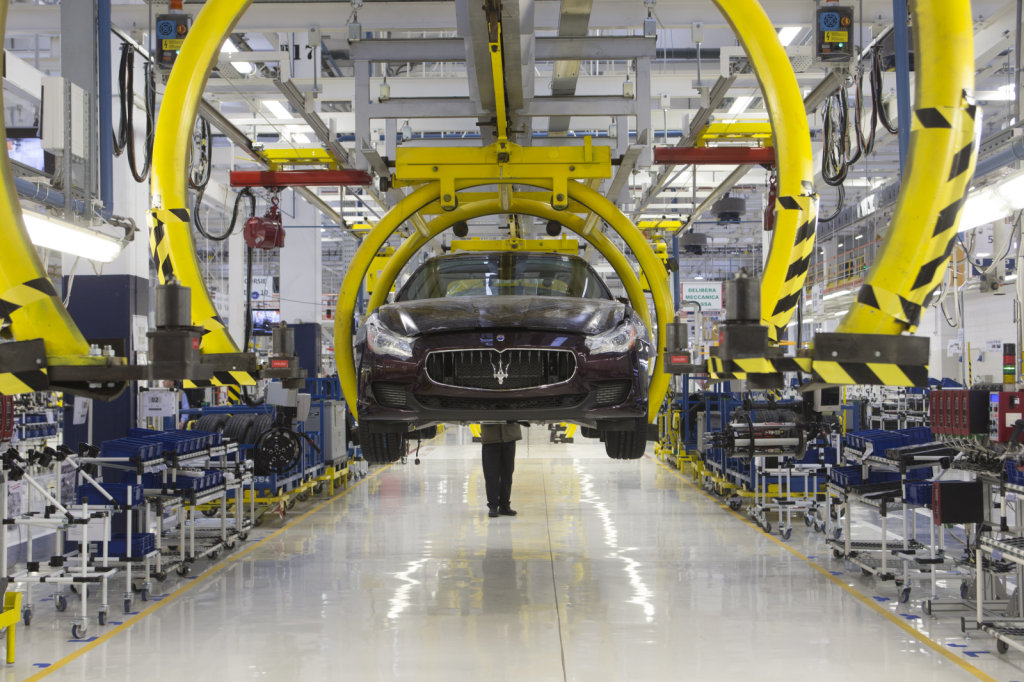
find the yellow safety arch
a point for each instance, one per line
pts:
(170, 237)
(520, 205)
(28, 301)
(792, 245)
(940, 164)
(652, 268)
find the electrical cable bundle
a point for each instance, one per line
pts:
(200, 169)
(836, 157)
(124, 137)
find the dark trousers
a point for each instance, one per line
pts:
(499, 463)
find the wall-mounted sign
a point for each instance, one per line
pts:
(708, 294)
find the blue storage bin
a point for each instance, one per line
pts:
(142, 544)
(124, 494)
(846, 476)
(1013, 474)
(918, 492)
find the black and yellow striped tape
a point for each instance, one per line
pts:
(800, 259)
(870, 373)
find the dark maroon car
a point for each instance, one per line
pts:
(503, 336)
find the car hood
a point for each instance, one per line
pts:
(540, 313)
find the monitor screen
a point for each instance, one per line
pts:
(263, 321)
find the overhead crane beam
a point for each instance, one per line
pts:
(573, 20)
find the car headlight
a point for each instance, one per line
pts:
(617, 340)
(383, 341)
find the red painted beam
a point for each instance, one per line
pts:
(297, 178)
(714, 155)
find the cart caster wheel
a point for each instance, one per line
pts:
(160, 576)
(786, 533)
(230, 545)
(26, 617)
(817, 527)
(101, 617)
(60, 602)
(808, 521)
(1001, 646)
(837, 533)
(734, 505)
(319, 487)
(290, 504)
(302, 497)
(243, 536)
(833, 514)
(213, 555)
(127, 605)
(144, 594)
(768, 527)
(837, 554)
(78, 631)
(964, 590)
(866, 573)
(904, 595)
(183, 570)
(209, 513)
(926, 606)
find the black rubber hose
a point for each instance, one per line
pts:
(121, 134)
(197, 221)
(866, 146)
(876, 92)
(835, 130)
(839, 206)
(124, 139)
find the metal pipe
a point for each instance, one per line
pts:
(106, 90)
(42, 194)
(899, 20)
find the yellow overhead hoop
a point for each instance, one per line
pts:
(652, 268)
(29, 303)
(170, 220)
(792, 245)
(940, 164)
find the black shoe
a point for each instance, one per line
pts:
(492, 512)
(507, 511)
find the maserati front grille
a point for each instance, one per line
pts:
(508, 370)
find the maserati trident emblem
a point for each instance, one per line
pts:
(501, 373)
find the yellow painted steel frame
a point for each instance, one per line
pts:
(944, 136)
(171, 236)
(797, 205)
(605, 209)
(27, 297)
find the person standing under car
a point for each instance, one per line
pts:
(499, 460)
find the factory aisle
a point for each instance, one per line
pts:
(612, 571)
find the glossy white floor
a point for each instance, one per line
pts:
(612, 571)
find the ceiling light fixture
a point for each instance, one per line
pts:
(277, 108)
(229, 48)
(787, 34)
(993, 203)
(740, 105)
(50, 233)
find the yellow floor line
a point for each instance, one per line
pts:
(864, 599)
(213, 570)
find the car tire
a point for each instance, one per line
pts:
(379, 445)
(627, 444)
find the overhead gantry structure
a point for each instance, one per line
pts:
(468, 182)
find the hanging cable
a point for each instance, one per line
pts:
(876, 91)
(124, 137)
(246, 192)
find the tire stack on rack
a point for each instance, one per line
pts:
(241, 428)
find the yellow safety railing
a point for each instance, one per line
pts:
(797, 205)
(940, 164)
(170, 222)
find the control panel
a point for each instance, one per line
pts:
(1005, 409)
(833, 33)
(171, 30)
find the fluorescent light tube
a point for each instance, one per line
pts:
(60, 236)
(740, 105)
(787, 34)
(229, 48)
(277, 108)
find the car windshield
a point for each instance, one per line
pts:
(504, 274)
